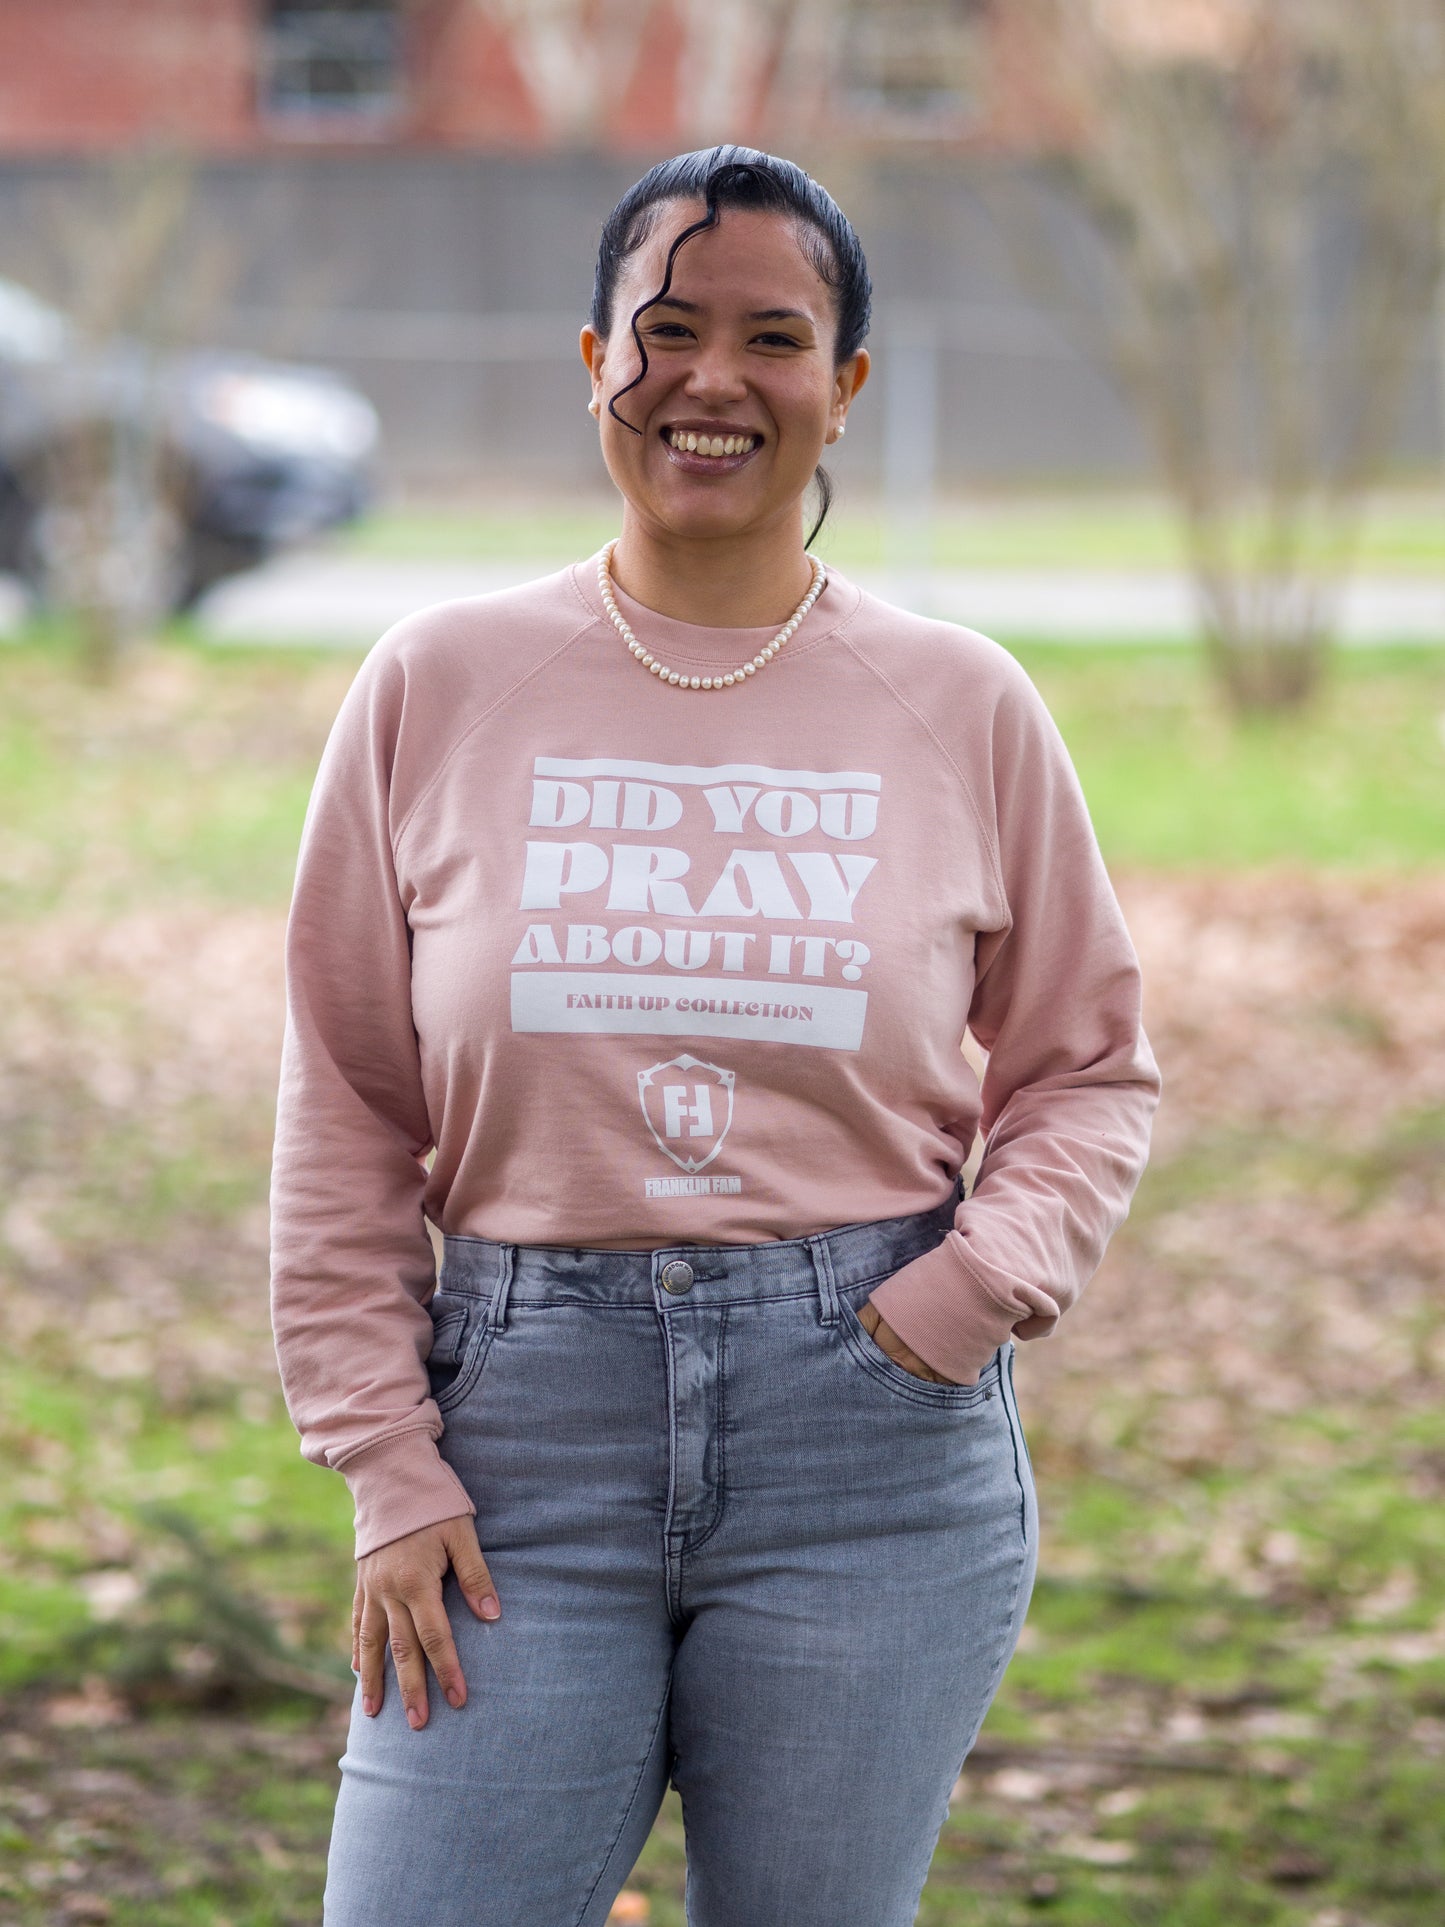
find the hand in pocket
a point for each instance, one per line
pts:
(887, 1340)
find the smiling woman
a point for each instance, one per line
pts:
(741, 364)
(654, 1009)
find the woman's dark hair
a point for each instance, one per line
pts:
(730, 176)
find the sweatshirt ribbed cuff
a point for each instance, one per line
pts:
(939, 1308)
(399, 1486)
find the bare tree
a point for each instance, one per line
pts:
(113, 249)
(1267, 177)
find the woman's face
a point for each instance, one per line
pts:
(742, 347)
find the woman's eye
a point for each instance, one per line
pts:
(671, 328)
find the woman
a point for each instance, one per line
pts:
(654, 897)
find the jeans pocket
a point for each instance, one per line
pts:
(864, 1351)
(460, 1341)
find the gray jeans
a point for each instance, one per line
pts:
(737, 1547)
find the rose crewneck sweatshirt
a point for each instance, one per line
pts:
(646, 967)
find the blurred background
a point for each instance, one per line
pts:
(290, 293)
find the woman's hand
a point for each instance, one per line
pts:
(887, 1340)
(399, 1603)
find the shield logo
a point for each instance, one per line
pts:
(688, 1106)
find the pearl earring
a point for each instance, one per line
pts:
(842, 430)
(594, 407)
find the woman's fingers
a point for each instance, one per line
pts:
(358, 1602)
(406, 1653)
(400, 1606)
(372, 1633)
(471, 1568)
(433, 1629)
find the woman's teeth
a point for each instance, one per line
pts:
(686, 442)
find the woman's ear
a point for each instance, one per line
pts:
(593, 349)
(851, 376)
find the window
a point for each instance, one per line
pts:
(913, 67)
(334, 63)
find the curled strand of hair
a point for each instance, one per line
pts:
(825, 498)
(708, 220)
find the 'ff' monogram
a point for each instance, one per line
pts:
(682, 1113)
(675, 1109)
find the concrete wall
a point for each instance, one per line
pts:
(451, 287)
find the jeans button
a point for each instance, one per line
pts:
(677, 1275)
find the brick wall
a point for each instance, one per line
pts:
(83, 75)
(80, 76)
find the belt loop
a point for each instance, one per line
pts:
(827, 1285)
(497, 1310)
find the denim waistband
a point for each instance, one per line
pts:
(719, 1274)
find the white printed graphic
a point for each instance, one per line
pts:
(684, 775)
(709, 1006)
(688, 1106)
(611, 893)
(691, 1187)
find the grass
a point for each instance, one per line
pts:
(1093, 528)
(1229, 1704)
(192, 783)
(1294, 1781)
(100, 807)
(1174, 782)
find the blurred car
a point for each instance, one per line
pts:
(229, 456)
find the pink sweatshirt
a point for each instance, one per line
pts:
(647, 967)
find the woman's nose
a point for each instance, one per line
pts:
(716, 371)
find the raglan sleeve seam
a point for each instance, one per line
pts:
(987, 830)
(477, 722)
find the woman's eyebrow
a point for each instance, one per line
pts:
(758, 314)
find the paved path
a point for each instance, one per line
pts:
(349, 600)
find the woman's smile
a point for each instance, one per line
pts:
(708, 448)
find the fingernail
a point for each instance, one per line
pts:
(368, 1705)
(491, 1607)
(413, 1717)
(454, 1696)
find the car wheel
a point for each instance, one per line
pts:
(211, 559)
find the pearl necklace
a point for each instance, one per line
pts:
(729, 678)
